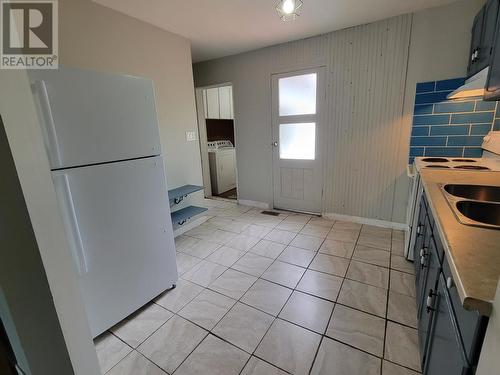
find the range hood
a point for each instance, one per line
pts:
(474, 86)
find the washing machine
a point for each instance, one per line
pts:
(222, 161)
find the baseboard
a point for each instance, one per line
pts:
(192, 223)
(250, 203)
(368, 221)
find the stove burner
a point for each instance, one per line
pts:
(436, 166)
(435, 160)
(464, 160)
(474, 167)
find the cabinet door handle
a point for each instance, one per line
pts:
(449, 283)
(423, 252)
(422, 262)
(419, 229)
(430, 301)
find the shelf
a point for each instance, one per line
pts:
(178, 194)
(186, 213)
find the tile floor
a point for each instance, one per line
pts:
(262, 295)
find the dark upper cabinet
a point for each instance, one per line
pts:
(492, 89)
(475, 44)
(483, 37)
(488, 33)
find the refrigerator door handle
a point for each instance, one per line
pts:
(48, 127)
(63, 189)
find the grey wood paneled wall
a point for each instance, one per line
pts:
(366, 68)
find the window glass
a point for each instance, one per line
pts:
(298, 141)
(297, 95)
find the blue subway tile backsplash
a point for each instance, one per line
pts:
(452, 128)
(472, 118)
(423, 109)
(473, 152)
(485, 106)
(467, 140)
(454, 107)
(451, 152)
(431, 97)
(431, 120)
(425, 87)
(449, 84)
(480, 129)
(428, 141)
(420, 131)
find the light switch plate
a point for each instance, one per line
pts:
(190, 136)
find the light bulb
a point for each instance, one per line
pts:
(288, 6)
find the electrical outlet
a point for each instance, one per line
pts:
(190, 136)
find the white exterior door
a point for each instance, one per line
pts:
(297, 104)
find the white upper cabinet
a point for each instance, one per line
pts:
(213, 103)
(219, 103)
(225, 102)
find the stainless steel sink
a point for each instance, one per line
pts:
(475, 192)
(475, 205)
(481, 212)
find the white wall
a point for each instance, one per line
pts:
(370, 96)
(95, 37)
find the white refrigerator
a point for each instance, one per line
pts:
(102, 140)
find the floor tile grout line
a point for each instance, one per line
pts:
(139, 353)
(277, 316)
(331, 314)
(210, 331)
(222, 318)
(386, 311)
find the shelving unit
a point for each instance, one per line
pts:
(176, 196)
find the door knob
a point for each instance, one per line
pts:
(275, 144)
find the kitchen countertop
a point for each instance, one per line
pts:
(473, 253)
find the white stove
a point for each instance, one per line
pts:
(479, 164)
(489, 162)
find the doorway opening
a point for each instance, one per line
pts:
(217, 140)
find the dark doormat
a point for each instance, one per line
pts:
(271, 213)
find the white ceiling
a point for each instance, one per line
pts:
(220, 28)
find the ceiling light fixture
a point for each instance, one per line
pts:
(288, 10)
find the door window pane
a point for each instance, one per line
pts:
(298, 141)
(297, 95)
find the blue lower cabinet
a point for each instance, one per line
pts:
(450, 337)
(423, 233)
(445, 353)
(427, 290)
(472, 325)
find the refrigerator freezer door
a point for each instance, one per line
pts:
(117, 221)
(89, 117)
